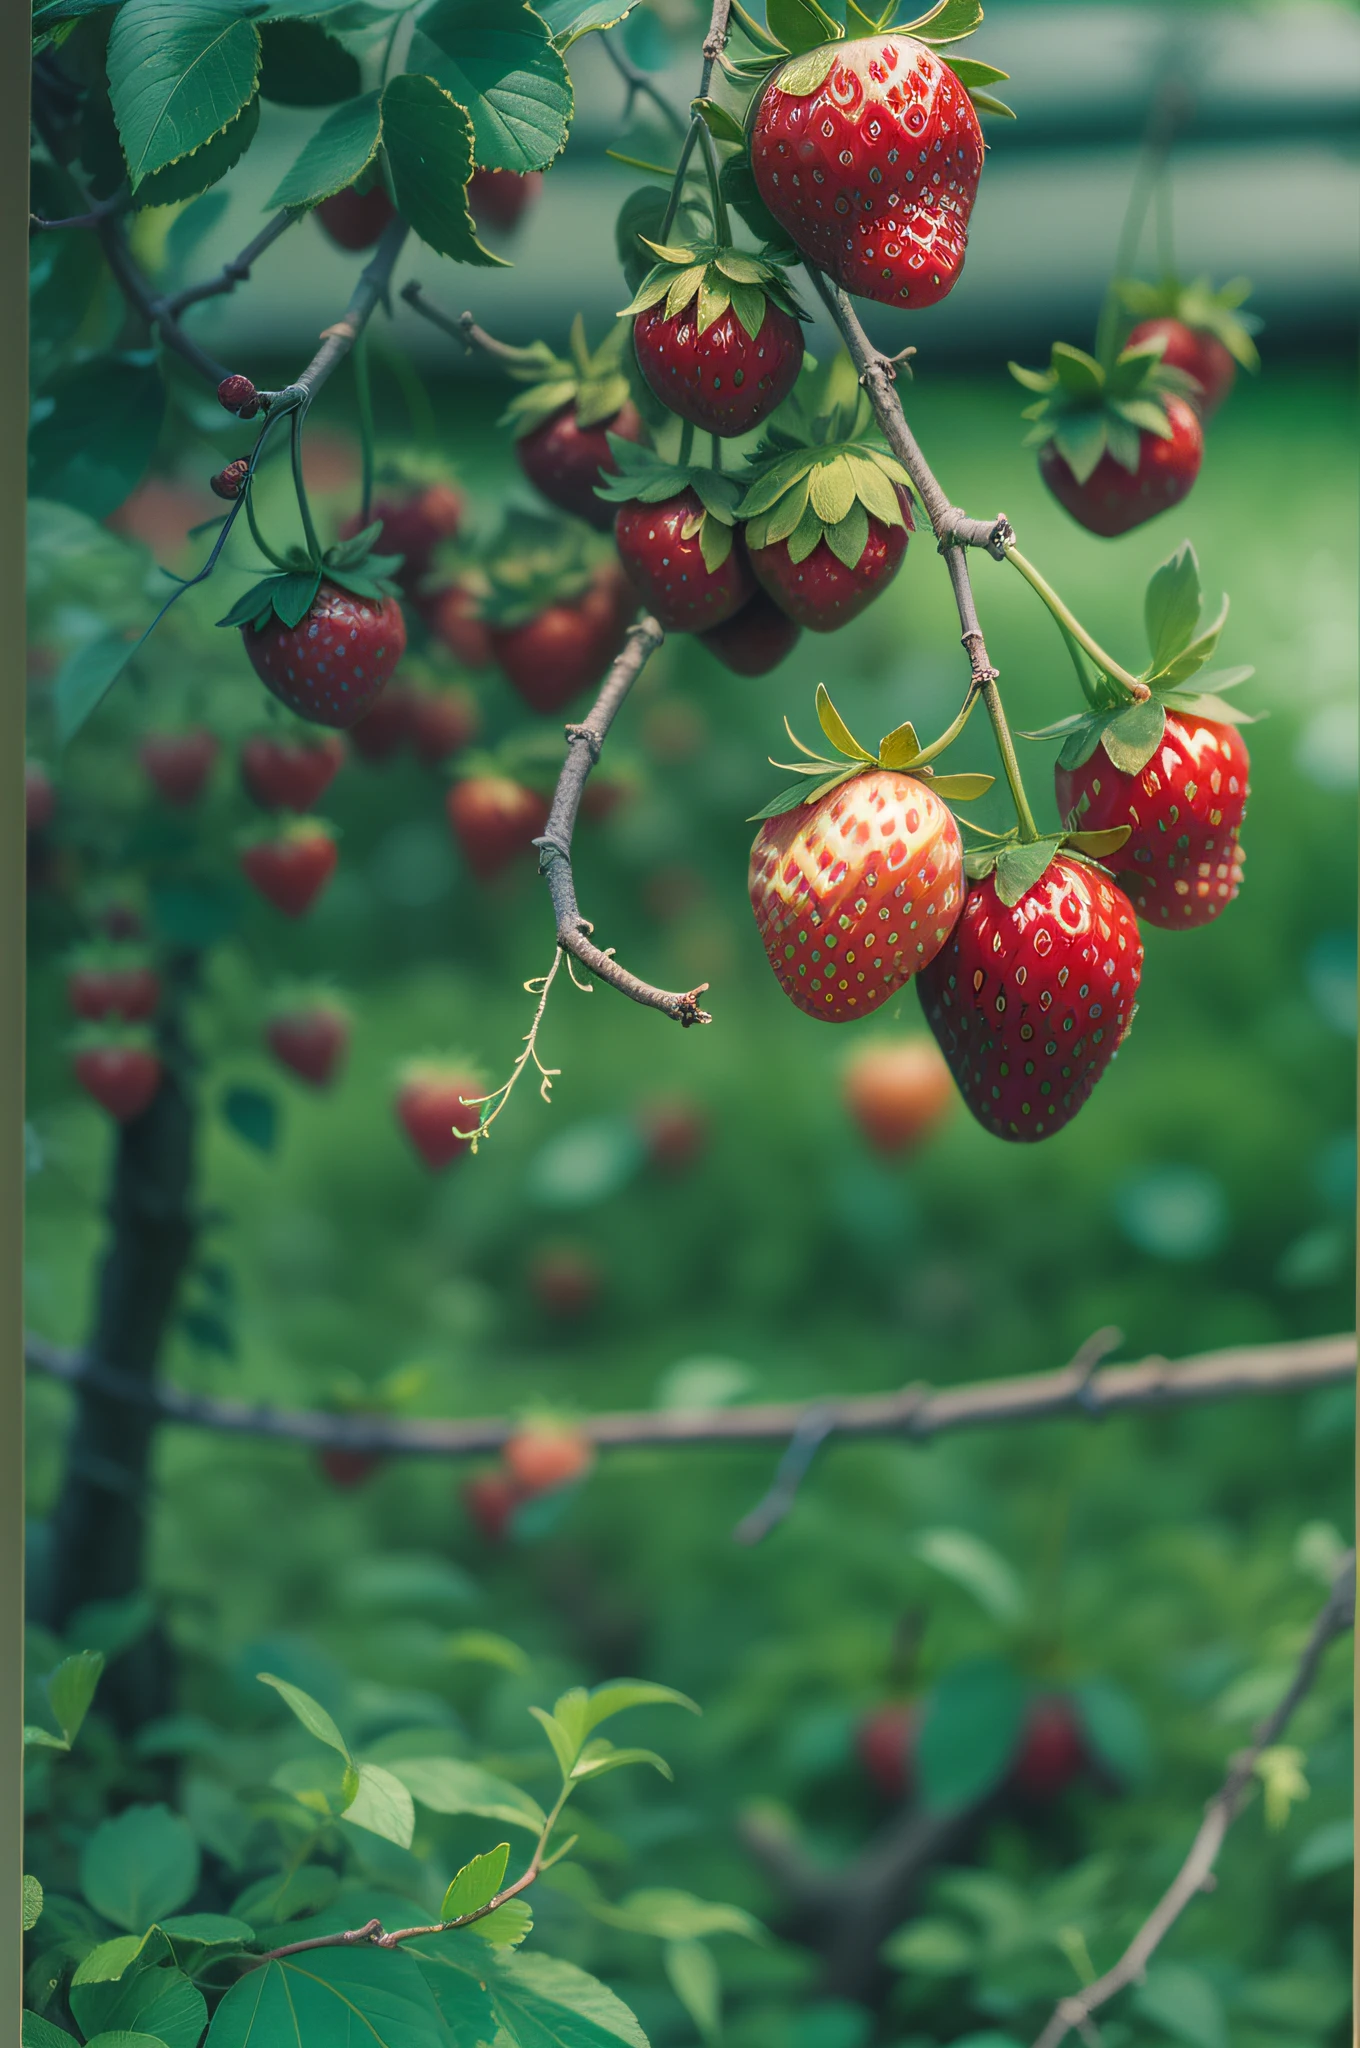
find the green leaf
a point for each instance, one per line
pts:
(302, 66)
(987, 103)
(736, 182)
(679, 1916)
(1185, 2003)
(310, 1712)
(121, 2038)
(564, 1748)
(1081, 439)
(140, 1866)
(253, 1115)
(343, 146)
(476, 1884)
(800, 25)
(161, 2002)
(1077, 373)
(42, 1738)
(963, 789)
(1193, 657)
(721, 125)
(1018, 868)
(1171, 605)
(535, 2000)
(329, 1997)
(112, 1959)
(179, 71)
(71, 1688)
(600, 1757)
(193, 175)
(1098, 844)
(837, 731)
(483, 1646)
(971, 1727)
(209, 1930)
(899, 748)
(932, 1947)
(501, 65)
(382, 1805)
(695, 1981)
(975, 1566)
(1330, 1847)
(508, 1926)
(570, 19)
(449, 1785)
(970, 72)
(1132, 737)
(37, 2032)
(427, 137)
(286, 1895)
(792, 799)
(849, 537)
(94, 430)
(1114, 1728)
(803, 74)
(949, 21)
(33, 1903)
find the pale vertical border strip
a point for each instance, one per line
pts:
(14, 85)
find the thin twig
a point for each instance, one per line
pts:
(237, 271)
(638, 83)
(916, 1412)
(1196, 1873)
(100, 210)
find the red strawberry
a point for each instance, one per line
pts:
(291, 870)
(497, 198)
(490, 1499)
(675, 1131)
(721, 380)
(820, 592)
(413, 525)
(1030, 1003)
(898, 1092)
(130, 992)
(283, 773)
(451, 615)
(856, 891)
(494, 820)
(432, 1105)
(345, 1468)
(1198, 353)
(564, 1280)
(384, 730)
(755, 639)
(40, 799)
(179, 763)
(668, 570)
(1113, 499)
(332, 665)
(355, 220)
(874, 169)
(121, 1078)
(885, 1742)
(544, 1458)
(442, 722)
(563, 459)
(566, 647)
(1052, 1750)
(1181, 864)
(311, 1039)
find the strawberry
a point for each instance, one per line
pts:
(716, 335)
(384, 729)
(346, 1468)
(329, 663)
(897, 1093)
(311, 1038)
(564, 1280)
(563, 421)
(1203, 333)
(868, 155)
(1052, 1750)
(675, 1131)
(99, 988)
(661, 546)
(1034, 993)
(432, 1105)
(497, 199)
(755, 639)
(355, 220)
(545, 1458)
(442, 722)
(490, 1500)
(885, 1743)
(1117, 444)
(287, 772)
(564, 647)
(494, 820)
(237, 394)
(40, 798)
(179, 763)
(419, 509)
(452, 616)
(291, 869)
(122, 1075)
(824, 592)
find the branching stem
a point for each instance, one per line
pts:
(1071, 625)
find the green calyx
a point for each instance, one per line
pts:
(1019, 865)
(718, 278)
(536, 561)
(1199, 306)
(811, 36)
(825, 494)
(645, 478)
(1131, 733)
(900, 750)
(593, 381)
(1090, 409)
(290, 595)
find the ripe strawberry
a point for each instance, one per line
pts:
(1052, 1750)
(40, 798)
(565, 647)
(179, 763)
(345, 1468)
(331, 666)
(661, 548)
(384, 730)
(494, 821)
(432, 1105)
(355, 220)
(452, 616)
(127, 990)
(286, 773)
(1181, 864)
(442, 722)
(564, 459)
(820, 592)
(292, 869)
(1031, 1001)
(714, 374)
(1112, 499)
(564, 1280)
(411, 523)
(497, 199)
(898, 1092)
(1203, 332)
(675, 1131)
(122, 1077)
(310, 1038)
(755, 639)
(868, 154)
(545, 1458)
(490, 1500)
(1198, 353)
(856, 891)
(885, 1743)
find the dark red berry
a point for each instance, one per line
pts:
(332, 665)
(237, 394)
(820, 592)
(1052, 1750)
(495, 821)
(311, 1040)
(452, 615)
(498, 198)
(1113, 500)
(669, 572)
(1200, 354)
(286, 774)
(721, 380)
(434, 1107)
(122, 1078)
(179, 763)
(97, 992)
(227, 483)
(564, 460)
(755, 639)
(442, 723)
(346, 1468)
(566, 648)
(355, 220)
(413, 525)
(383, 732)
(292, 870)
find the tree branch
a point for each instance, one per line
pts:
(236, 271)
(1196, 1873)
(917, 1412)
(638, 83)
(337, 341)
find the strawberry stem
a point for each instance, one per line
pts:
(754, 33)
(261, 543)
(951, 733)
(678, 181)
(686, 443)
(304, 508)
(1073, 626)
(722, 226)
(364, 402)
(1005, 746)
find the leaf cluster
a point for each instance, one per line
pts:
(1089, 409)
(899, 750)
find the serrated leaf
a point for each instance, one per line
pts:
(302, 66)
(962, 789)
(428, 143)
(1133, 736)
(310, 1712)
(32, 1903)
(837, 731)
(571, 19)
(1171, 605)
(899, 748)
(1019, 868)
(500, 64)
(476, 1884)
(177, 76)
(343, 146)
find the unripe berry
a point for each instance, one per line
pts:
(227, 483)
(237, 394)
